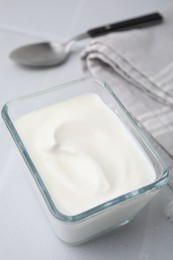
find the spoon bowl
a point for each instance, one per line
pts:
(41, 54)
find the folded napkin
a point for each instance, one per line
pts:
(138, 65)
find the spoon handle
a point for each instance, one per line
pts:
(141, 21)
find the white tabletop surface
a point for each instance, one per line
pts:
(24, 230)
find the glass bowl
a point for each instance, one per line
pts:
(76, 229)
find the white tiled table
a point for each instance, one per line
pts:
(24, 230)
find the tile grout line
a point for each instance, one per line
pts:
(76, 15)
(26, 33)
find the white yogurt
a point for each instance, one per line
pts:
(83, 153)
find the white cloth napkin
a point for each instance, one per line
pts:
(138, 65)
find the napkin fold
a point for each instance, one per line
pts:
(138, 65)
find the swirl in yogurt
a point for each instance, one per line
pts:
(83, 153)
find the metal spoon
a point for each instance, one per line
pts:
(53, 53)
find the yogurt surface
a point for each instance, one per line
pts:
(83, 153)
